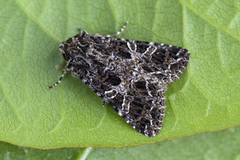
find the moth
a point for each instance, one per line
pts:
(131, 76)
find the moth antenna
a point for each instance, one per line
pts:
(104, 103)
(120, 31)
(60, 79)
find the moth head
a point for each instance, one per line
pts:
(83, 33)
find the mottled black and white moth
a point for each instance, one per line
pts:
(129, 75)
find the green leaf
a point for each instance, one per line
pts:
(217, 145)
(205, 97)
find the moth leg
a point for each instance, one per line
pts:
(60, 79)
(104, 103)
(79, 30)
(120, 31)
